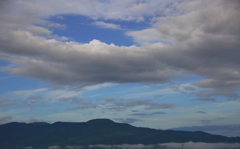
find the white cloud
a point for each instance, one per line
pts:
(200, 145)
(54, 147)
(28, 93)
(124, 10)
(187, 145)
(107, 25)
(200, 41)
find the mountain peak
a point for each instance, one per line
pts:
(96, 131)
(100, 120)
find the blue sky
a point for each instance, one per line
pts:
(156, 63)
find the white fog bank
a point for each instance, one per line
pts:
(188, 145)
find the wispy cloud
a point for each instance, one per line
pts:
(7, 102)
(107, 25)
(147, 114)
(127, 120)
(205, 99)
(145, 103)
(5, 119)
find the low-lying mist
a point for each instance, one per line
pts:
(188, 145)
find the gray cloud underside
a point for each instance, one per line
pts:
(204, 41)
(117, 105)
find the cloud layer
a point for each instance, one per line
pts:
(185, 38)
(187, 145)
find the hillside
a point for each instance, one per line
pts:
(99, 131)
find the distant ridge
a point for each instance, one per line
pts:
(39, 123)
(98, 131)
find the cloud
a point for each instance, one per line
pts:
(74, 147)
(200, 45)
(107, 25)
(29, 93)
(133, 9)
(147, 114)
(202, 112)
(79, 101)
(205, 99)
(110, 99)
(185, 38)
(187, 145)
(35, 97)
(200, 145)
(54, 66)
(146, 104)
(159, 96)
(30, 102)
(114, 104)
(7, 102)
(32, 120)
(54, 147)
(124, 146)
(5, 119)
(218, 88)
(127, 120)
(205, 122)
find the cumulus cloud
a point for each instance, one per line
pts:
(189, 37)
(206, 45)
(82, 64)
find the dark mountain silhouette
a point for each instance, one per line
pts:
(99, 131)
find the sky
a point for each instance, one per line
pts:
(161, 64)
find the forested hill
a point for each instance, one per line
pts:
(99, 131)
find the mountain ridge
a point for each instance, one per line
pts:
(96, 131)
